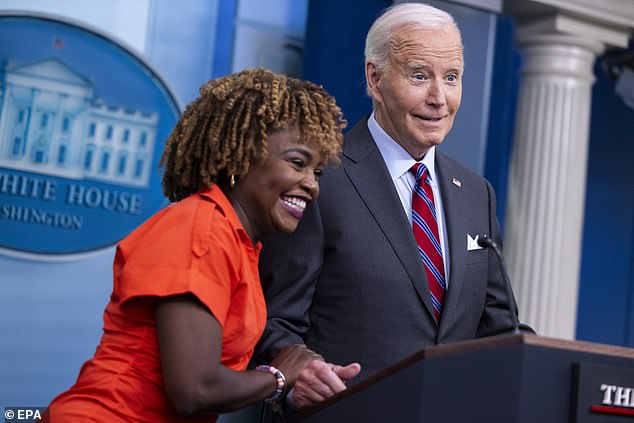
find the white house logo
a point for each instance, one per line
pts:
(82, 122)
(51, 123)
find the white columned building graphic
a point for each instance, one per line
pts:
(52, 123)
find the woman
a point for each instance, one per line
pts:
(187, 307)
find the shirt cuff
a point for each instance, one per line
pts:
(289, 400)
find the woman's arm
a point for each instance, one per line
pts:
(190, 345)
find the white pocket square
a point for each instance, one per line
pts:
(472, 243)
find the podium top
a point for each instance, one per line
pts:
(490, 343)
(528, 339)
(464, 347)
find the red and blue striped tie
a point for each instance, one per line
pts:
(425, 227)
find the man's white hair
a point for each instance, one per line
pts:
(382, 31)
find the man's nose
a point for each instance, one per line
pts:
(436, 93)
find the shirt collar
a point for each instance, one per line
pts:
(215, 194)
(398, 160)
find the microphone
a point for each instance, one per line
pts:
(486, 242)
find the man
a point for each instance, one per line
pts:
(381, 266)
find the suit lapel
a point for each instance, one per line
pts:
(370, 177)
(453, 202)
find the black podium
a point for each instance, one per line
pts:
(511, 378)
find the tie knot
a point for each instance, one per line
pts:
(419, 171)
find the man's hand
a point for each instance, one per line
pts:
(320, 380)
(293, 359)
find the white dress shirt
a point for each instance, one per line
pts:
(398, 162)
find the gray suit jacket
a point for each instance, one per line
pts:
(349, 283)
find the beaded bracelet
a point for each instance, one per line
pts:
(280, 381)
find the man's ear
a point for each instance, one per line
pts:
(373, 79)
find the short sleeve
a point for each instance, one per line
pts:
(189, 247)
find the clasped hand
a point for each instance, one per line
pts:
(313, 378)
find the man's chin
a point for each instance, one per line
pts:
(432, 139)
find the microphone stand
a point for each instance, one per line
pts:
(486, 242)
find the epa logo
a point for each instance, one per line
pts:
(30, 414)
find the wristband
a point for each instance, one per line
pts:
(280, 381)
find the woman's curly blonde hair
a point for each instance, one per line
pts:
(225, 129)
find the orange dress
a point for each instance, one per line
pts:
(195, 246)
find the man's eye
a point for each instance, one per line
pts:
(452, 78)
(318, 173)
(419, 77)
